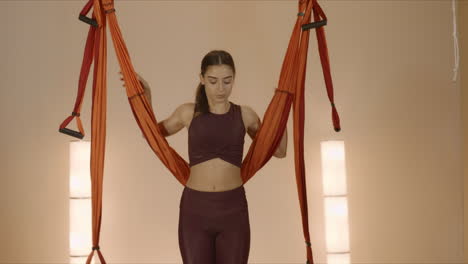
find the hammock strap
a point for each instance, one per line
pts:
(85, 67)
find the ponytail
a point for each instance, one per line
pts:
(201, 101)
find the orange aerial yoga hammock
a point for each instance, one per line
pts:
(290, 91)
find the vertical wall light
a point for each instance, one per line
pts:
(80, 201)
(335, 201)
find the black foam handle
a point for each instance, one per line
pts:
(317, 24)
(72, 133)
(88, 20)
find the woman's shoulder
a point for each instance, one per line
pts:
(186, 112)
(188, 106)
(249, 116)
(248, 111)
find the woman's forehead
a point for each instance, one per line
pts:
(219, 70)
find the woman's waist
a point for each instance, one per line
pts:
(221, 202)
(214, 182)
(214, 177)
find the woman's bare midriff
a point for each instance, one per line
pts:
(215, 175)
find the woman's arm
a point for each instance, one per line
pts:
(147, 93)
(144, 83)
(255, 123)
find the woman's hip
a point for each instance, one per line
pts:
(213, 203)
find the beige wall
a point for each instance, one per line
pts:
(463, 31)
(400, 113)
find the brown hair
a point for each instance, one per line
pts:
(214, 57)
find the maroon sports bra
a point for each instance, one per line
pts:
(221, 136)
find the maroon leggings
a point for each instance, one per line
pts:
(214, 227)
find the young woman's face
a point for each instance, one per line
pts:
(218, 81)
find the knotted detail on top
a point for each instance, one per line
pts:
(138, 94)
(108, 6)
(212, 135)
(285, 91)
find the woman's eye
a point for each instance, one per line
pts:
(224, 82)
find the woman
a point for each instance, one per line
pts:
(214, 220)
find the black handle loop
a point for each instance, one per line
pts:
(88, 20)
(317, 24)
(70, 132)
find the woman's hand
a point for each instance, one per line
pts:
(146, 88)
(143, 81)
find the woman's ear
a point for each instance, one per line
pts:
(201, 79)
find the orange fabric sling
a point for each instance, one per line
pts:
(290, 91)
